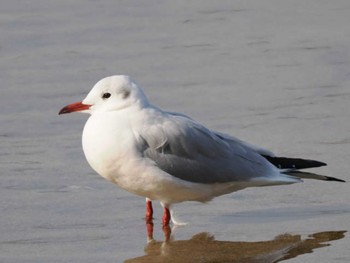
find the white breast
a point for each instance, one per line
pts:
(107, 139)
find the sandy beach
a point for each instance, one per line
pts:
(273, 73)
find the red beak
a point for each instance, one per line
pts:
(77, 106)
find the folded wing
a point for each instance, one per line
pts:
(187, 150)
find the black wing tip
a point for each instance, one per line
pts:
(329, 178)
(293, 163)
(320, 163)
(306, 175)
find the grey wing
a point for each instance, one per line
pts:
(234, 141)
(189, 151)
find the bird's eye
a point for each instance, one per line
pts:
(106, 95)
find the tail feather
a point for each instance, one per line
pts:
(305, 175)
(293, 163)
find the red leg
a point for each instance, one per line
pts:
(149, 230)
(167, 233)
(149, 211)
(166, 217)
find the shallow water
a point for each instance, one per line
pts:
(274, 73)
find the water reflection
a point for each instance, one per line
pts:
(203, 247)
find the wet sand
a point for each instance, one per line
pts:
(274, 73)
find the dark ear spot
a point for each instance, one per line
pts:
(126, 94)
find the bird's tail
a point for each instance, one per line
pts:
(291, 166)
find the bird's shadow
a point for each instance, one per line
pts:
(203, 247)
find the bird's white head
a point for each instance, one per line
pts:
(110, 94)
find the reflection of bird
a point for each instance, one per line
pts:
(168, 156)
(204, 248)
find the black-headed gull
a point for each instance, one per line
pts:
(169, 157)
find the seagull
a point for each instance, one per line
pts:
(169, 157)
